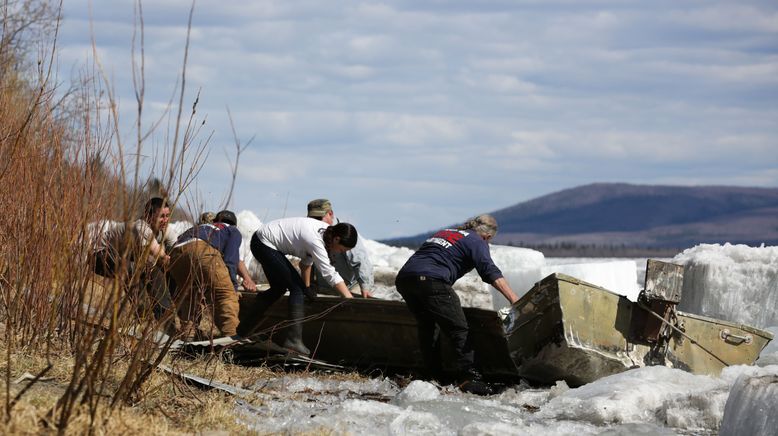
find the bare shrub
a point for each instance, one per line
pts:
(62, 166)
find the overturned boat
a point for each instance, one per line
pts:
(567, 329)
(562, 329)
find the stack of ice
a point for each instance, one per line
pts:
(737, 283)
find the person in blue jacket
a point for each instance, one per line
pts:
(425, 283)
(204, 263)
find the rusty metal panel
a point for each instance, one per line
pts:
(664, 281)
(567, 329)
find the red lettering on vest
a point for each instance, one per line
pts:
(449, 235)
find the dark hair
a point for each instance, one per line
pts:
(345, 231)
(153, 206)
(227, 217)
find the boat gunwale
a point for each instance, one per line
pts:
(750, 329)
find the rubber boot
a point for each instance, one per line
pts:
(294, 334)
(474, 383)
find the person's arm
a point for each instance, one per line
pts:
(158, 254)
(343, 289)
(505, 289)
(320, 258)
(243, 272)
(145, 236)
(305, 273)
(482, 259)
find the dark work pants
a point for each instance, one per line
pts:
(280, 273)
(437, 308)
(105, 263)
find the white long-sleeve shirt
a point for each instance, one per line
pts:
(300, 237)
(111, 235)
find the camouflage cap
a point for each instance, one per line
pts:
(319, 207)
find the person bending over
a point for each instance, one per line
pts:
(426, 280)
(204, 266)
(354, 266)
(310, 240)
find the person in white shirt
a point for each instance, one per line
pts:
(311, 241)
(143, 243)
(134, 253)
(353, 266)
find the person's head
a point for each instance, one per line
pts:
(207, 218)
(321, 209)
(226, 217)
(156, 213)
(485, 225)
(340, 238)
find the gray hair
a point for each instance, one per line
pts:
(484, 225)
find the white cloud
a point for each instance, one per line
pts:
(726, 16)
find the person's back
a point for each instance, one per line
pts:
(294, 236)
(449, 254)
(225, 238)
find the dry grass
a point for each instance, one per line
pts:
(166, 405)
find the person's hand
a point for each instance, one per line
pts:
(310, 293)
(366, 293)
(164, 261)
(249, 285)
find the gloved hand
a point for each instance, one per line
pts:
(310, 293)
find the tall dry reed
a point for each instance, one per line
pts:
(63, 166)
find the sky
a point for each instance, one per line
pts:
(412, 115)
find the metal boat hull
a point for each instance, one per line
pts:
(371, 334)
(567, 329)
(562, 329)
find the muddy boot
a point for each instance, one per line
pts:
(294, 334)
(472, 382)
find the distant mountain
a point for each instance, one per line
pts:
(650, 217)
